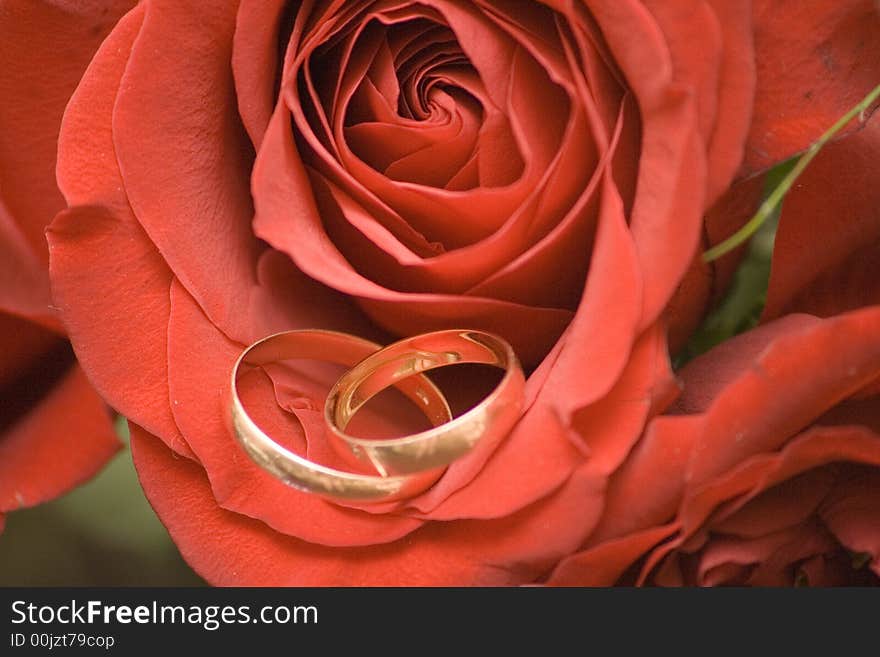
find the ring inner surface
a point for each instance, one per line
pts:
(378, 372)
(299, 472)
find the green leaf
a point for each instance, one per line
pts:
(741, 308)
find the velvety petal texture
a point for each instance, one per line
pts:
(750, 482)
(826, 257)
(540, 170)
(55, 432)
(815, 62)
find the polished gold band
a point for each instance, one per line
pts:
(406, 466)
(487, 423)
(302, 473)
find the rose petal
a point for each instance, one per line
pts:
(25, 346)
(736, 90)
(774, 400)
(850, 513)
(784, 506)
(528, 277)
(604, 564)
(117, 324)
(756, 409)
(287, 218)
(815, 448)
(670, 197)
(736, 207)
(826, 257)
(25, 289)
(814, 63)
(186, 142)
(705, 284)
(687, 308)
(767, 553)
(599, 356)
(703, 45)
(57, 39)
(285, 298)
(657, 464)
(865, 412)
(255, 52)
(425, 207)
(60, 443)
(611, 426)
(200, 360)
(834, 569)
(812, 449)
(778, 568)
(709, 375)
(450, 271)
(229, 549)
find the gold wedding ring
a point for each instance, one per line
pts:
(301, 473)
(486, 423)
(405, 466)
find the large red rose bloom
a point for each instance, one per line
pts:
(539, 170)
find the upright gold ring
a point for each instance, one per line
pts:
(487, 423)
(303, 474)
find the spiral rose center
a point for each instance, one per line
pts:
(421, 114)
(454, 150)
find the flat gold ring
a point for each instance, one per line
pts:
(486, 423)
(301, 473)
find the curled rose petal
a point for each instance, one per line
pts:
(814, 63)
(539, 170)
(499, 552)
(101, 221)
(747, 478)
(59, 443)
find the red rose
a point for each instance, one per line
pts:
(54, 430)
(767, 474)
(767, 470)
(539, 170)
(826, 257)
(815, 63)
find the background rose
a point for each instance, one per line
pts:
(815, 61)
(827, 251)
(54, 431)
(767, 472)
(643, 119)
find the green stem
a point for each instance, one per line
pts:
(776, 196)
